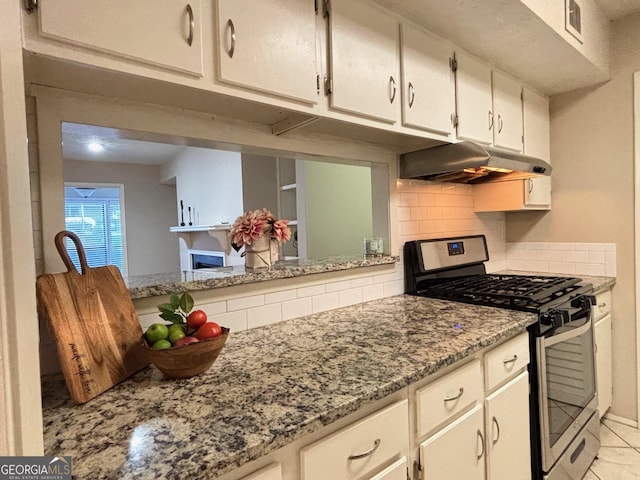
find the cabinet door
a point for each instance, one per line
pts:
(602, 332)
(269, 46)
(457, 451)
(535, 111)
(473, 99)
(507, 112)
(428, 89)
(537, 192)
(508, 442)
(160, 32)
(364, 60)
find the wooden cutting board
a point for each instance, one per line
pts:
(94, 323)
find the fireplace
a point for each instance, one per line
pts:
(206, 259)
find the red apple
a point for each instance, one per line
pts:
(185, 341)
(196, 318)
(208, 330)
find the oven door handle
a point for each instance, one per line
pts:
(574, 332)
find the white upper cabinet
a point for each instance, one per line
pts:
(507, 112)
(428, 101)
(269, 46)
(537, 144)
(473, 99)
(364, 66)
(167, 33)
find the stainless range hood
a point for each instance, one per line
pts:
(468, 162)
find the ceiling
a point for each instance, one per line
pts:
(615, 9)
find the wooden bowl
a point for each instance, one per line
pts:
(188, 360)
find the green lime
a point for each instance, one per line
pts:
(175, 334)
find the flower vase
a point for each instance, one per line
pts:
(275, 251)
(258, 254)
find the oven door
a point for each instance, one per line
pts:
(567, 383)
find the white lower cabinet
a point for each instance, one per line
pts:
(361, 449)
(272, 472)
(602, 339)
(507, 438)
(457, 451)
(396, 471)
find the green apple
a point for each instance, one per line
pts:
(155, 332)
(161, 345)
(176, 332)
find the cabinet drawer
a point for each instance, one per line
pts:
(272, 472)
(396, 471)
(359, 449)
(506, 360)
(603, 304)
(448, 395)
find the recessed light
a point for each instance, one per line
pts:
(95, 147)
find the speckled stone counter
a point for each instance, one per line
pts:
(143, 286)
(269, 387)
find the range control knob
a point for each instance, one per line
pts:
(553, 318)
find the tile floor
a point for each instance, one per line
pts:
(619, 457)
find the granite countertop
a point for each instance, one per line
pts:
(269, 386)
(143, 286)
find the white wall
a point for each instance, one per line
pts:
(593, 170)
(149, 211)
(208, 181)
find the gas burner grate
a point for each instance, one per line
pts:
(522, 292)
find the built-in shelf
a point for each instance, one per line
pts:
(200, 228)
(218, 232)
(291, 186)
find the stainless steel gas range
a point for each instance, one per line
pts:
(565, 428)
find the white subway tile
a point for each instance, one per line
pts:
(408, 199)
(245, 302)
(372, 292)
(213, 308)
(337, 286)
(310, 291)
(404, 214)
(594, 269)
(426, 200)
(610, 247)
(360, 282)
(264, 315)
(536, 266)
(575, 256)
(549, 255)
(281, 296)
(350, 297)
(393, 288)
(328, 301)
(146, 319)
(610, 264)
(385, 277)
(562, 246)
(597, 256)
(418, 213)
(562, 267)
(236, 321)
(297, 308)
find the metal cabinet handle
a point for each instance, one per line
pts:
(495, 422)
(455, 397)
(511, 360)
(392, 84)
(192, 24)
(602, 305)
(368, 453)
(490, 120)
(500, 125)
(530, 185)
(479, 433)
(412, 94)
(232, 28)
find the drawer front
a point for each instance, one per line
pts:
(448, 395)
(360, 448)
(603, 304)
(506, 360)
(272, 472)
(396, 471)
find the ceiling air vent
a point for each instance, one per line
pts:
(573, 19)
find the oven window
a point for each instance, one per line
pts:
(570, 382)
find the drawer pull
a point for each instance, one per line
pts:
(479, 433)
(192, 25)
(455, 397)
(368, 453)
(511, 360)
(602, 305)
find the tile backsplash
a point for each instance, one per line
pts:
(596, 259)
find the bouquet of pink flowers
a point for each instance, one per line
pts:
(252, 225)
